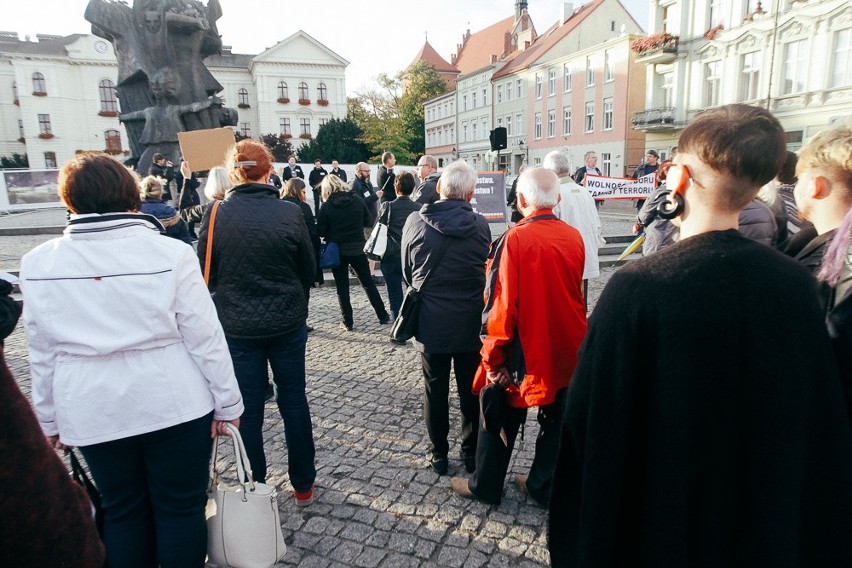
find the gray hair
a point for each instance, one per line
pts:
(433, 163)
(540, 187)
(332, 184)
(557, 162)
(458, 180)
(218, 183)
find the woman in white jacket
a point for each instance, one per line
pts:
(129, 362)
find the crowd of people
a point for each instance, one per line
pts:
(701, 416)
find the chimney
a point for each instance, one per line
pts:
(567, 12)
(493, 58)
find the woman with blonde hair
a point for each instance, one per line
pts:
(151, 192)
(342, 220)
(218, 183)
(261, 260)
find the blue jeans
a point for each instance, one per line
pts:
(154, 490)
(392, 271)
(285, 353)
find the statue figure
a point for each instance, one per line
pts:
(153, 35)
(163, 121)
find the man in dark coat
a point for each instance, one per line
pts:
(451, 307)
(314, 180)
(292, 170)
(363, 188)
(427, 171)
(336, 170)
(394, 214)
(649, 166)
(162, 168)
(385, 177)
(697, 432)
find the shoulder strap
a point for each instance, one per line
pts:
(209, 254)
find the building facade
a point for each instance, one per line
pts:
(792, 57)
(57, 94)
(440, 124)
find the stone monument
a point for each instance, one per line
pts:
(163, 85)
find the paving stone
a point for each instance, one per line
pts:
(452, 556)
(370, 558)
(356, 531)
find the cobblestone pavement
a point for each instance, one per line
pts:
(377, 501)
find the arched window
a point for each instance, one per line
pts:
(303, 90)
(283, 92)
(242, 97)
(39, 84)
(322, 92)
(112, 139)
(106, 89)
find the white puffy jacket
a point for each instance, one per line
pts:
(123, 336)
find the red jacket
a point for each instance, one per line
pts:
(533, 294)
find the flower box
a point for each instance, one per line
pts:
(305, 102)
(45, 135)
(39, 94)
(663, 41)
(16, 102)
(287, 136)
(305, 136)
(243, 105)
(322, 102)
(108, 113)
(283, 100)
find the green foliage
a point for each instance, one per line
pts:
(391, 112)
(337, 139)
(17, 161)
(278, 145)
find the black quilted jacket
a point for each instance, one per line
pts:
(262, 260)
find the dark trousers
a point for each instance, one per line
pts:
(285, 353)
(392, 271)
(341, 282)
(319, 277)
(154, 490)
(317, 191)
(436, 408)
(492, 455)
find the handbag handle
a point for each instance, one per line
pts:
(209, 255)
(240, 457)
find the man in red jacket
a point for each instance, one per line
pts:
(535, 320)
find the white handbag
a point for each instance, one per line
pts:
(377, 244)
(243, 524)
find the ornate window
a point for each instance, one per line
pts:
(537, 125)
(551, 82)
(712, 83)
(112, 138)
(551, 123)
(750, 76)
(842, 74)
(566, 121)
(109, 104)
(39, 85)
(245, 128)
(284, 126)
(304, 127)
(795, 67)
(566, 78)
(283, 92)
(322, 92)
(539, 79)
(590, 117)
(303, 90)
(50, 159)
(607, 114)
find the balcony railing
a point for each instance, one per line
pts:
(655, 119)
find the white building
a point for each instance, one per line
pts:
(792, 57)
(57, 94)
(440, 123)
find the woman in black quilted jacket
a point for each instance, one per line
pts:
(261, 262)
(342, 220)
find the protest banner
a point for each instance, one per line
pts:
(489, 197)
(602, 187)
(204, 149)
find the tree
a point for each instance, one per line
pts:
(17, 161)
(391, 113)
(422, 83)
(279, 145)
(338, 139)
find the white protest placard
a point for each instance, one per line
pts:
(602, 187)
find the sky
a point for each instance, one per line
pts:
(375, 36)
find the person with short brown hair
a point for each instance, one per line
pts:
(705, 424)
(129, 363)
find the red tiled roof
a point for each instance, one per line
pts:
(429, 55)
(477, 50)
(547, 40)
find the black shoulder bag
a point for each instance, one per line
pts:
(405, 325)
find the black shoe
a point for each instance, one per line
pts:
(384, 320)
(397, 341)
(439, 464)
(346, 326)
(310, 328)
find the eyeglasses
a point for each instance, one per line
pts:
(422, 165)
